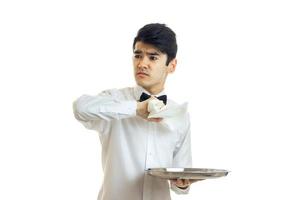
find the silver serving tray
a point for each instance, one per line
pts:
(187, 173)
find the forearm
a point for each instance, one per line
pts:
(87, 108)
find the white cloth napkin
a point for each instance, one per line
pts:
(172, 115)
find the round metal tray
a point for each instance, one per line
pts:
(187, 173)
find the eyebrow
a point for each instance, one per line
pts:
(148, 53)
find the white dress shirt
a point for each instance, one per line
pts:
(131, 145)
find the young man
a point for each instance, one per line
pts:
(132, 143)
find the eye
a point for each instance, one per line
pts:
(137, 56)
(153, 58)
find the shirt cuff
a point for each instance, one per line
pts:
(130, 107)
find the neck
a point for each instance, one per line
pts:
(155, 92)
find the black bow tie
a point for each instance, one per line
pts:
(145, 96)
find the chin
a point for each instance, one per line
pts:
(142, 84)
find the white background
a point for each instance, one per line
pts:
(238, 67)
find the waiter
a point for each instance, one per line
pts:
(132, 143)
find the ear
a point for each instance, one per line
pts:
(172, 66)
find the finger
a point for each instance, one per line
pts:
(186, 182)
(159, 119)
(155, 119)
(179, 182)
(183, 183)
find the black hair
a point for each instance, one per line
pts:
(161, 37)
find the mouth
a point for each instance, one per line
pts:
(141, 74)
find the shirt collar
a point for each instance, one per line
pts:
(138, 90)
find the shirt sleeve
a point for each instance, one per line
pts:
(106, 106)
(182, 156)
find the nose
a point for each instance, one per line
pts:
(143, 62)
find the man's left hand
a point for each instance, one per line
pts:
(184, 183)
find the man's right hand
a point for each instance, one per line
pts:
(142, 110)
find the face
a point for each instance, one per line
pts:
(150, 69)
